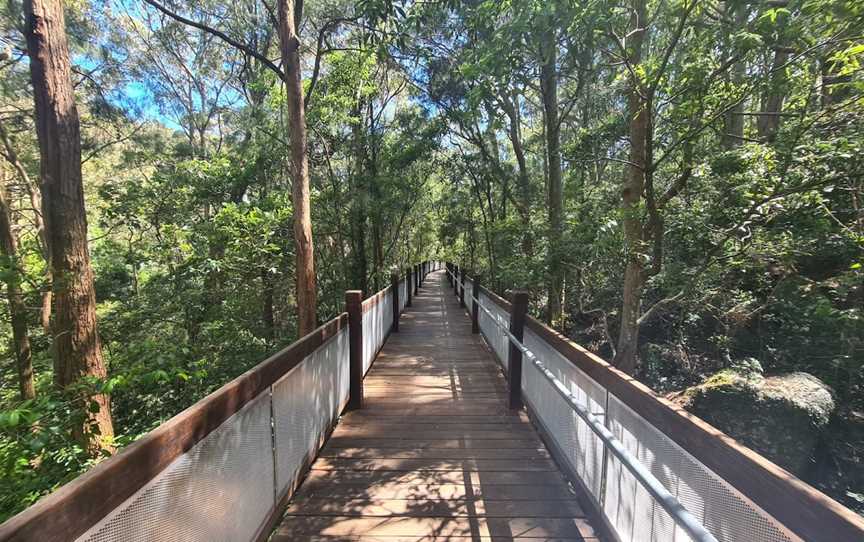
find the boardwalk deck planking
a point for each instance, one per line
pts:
(434, 454)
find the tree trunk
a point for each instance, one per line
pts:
(359, 195)
(549, 89)
(733, 125)
(17, 307)
(289, 41)
(515, 133)
(36, 203)
(267, 312)
(76, 338)
(631, 195)
(772, 102)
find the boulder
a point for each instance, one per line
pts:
(780, 417)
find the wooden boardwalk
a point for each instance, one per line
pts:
(435, 454)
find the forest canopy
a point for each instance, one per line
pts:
(678, 184)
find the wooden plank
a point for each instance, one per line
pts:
(395, 464)
(471, 507)
(445, 380)
(442, 433)
(343, 441)
(397, 387)
(369, 478)
(396, 490)
(429, 538)
(575, 528)
(454, 409)
(443, 422)
(434, 453)
(361, 416)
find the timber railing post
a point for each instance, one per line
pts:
(519, 309)
(475, 306)
(455, 279)
(408, 287)
(462, 288)
(394, 287)
(416, 279)
(354, 307)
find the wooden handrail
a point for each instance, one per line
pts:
(797, 506)
(75, 507)
(370, 302)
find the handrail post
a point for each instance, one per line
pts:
(408, 287)
(354, 307)
(519, 309)
(455, 279)
(462, 288)
(416, 279)
(475, 305)
(394, 287)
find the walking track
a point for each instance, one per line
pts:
(434, 454)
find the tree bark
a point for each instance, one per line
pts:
(549, 90)
(289, 41)
(772, 102)
(733, 132)
(631, 195)
(17, 307)
(76, 337)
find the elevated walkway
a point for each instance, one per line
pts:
(435, 452)
(435, 445)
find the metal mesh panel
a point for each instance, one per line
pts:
(633, 513)
(630, 508)
(376, 324)
(403, 295)
(720, 508)
(221, 489)
(580, 445)
(306, 401)
(491, 332)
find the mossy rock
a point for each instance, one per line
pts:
(781, 417)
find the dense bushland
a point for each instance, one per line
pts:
(679, 184)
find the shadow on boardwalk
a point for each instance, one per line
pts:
(435, 453)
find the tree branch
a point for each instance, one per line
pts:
(221, 35)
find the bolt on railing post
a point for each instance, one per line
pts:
(475, 306)
(394, 287)
(408, 287)
(354, 308)
(462, 288)
(519, 309)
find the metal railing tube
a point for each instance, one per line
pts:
(670, 504)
